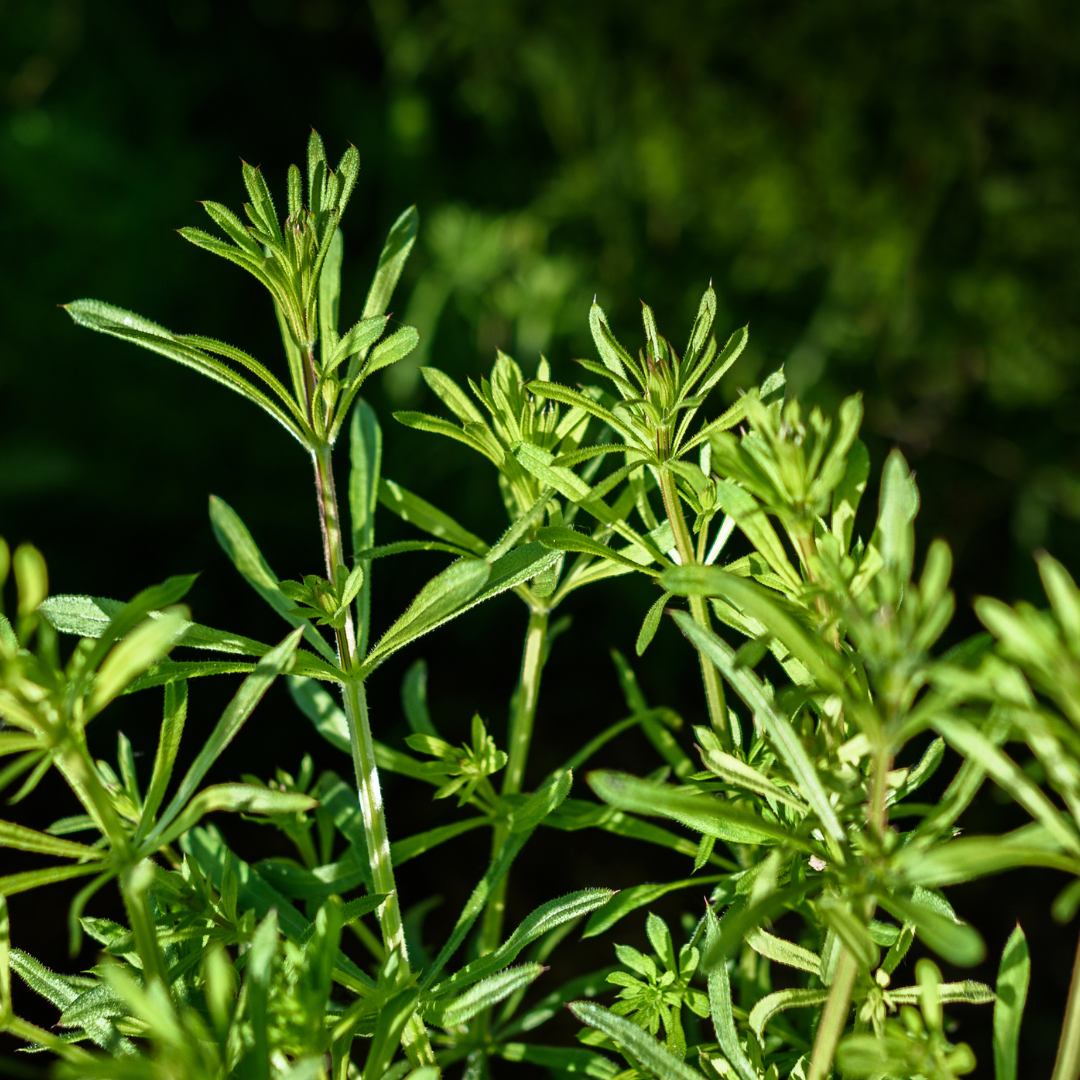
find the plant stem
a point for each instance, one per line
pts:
(414, 1039)
(714, 687)
(521, 729)
(833, 1017)
(1067, 1065)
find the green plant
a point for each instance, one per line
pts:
(228, 968)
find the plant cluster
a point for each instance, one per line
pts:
(825, 714)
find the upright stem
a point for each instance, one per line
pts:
(521, 729)
(714, 687)
(415, 1039)
(833, 1017)
(1067, 1065)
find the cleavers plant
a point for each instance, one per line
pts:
(825, 710)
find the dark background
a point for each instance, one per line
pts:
(886, 192)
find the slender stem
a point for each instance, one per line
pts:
(714, 686)
(833, 1017)
(878, 811)
(521, 729)
(414, 1039)
(1067, 1065)
(521, 725)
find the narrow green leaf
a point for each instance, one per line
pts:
(21, 838)
(546, 799)
(487, 992)
(436, 601)
(783, 736)
(953, 940)
(1014, 974)
(539, 922)
(626, 900)
(236, 799)
(781, 951)
(365, 459)
(560, 538)
(965, 737)
(773, 1004)
(232, 719)
(894, 536)
(399, 243)
(638, 1043)
(848, 494)
(392, 349)
(401, 851)
(700, 811)
(414, 699)
(393, 1017)
(236, 541)
(651, 623)
(452, 396)
(333, 879)
(330, 293)
(12, 884)
(714, 968)
(431, 519)
(561, 1059)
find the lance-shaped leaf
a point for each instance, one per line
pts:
(637, 896)
(128, 326)
(365, 459)
(132, 655)
(393, 1017)
(656, 1058)
(561, 1059)
(332, 879)
(704, 812)
(785, 740)
(449, 595)
(431, 519)
(545, 918)
(232, 719)
(360, 337)
(972, 857)
(782, 951)
(437, 600)
(23, 839)
(237, 542)
(714, 967)
(937, 925)
(973, 744)
(237, 799)
(11, 884)
(822, 661)
(448, 1013)
(560, 538)
(773, 1004)
(399, 243)
(1014, 974)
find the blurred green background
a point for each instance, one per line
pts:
(886, 192)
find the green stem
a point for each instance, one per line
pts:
(714, 686)
(521, 729)
(1067, 1065)
(833, 1017)
(414, 1039)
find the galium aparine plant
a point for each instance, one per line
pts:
(826, 706)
